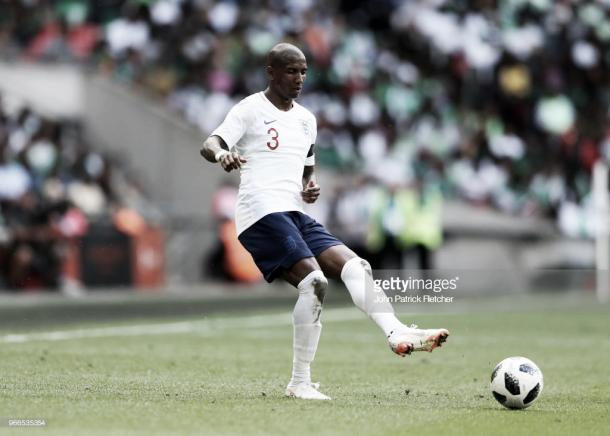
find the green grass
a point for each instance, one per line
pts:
(227, 376)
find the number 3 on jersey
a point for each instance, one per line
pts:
(274, 139)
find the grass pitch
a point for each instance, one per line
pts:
(226, 375)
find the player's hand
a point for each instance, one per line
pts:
(311, 192)
(231, 161)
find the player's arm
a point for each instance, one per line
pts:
(311, 189)
(215, 149)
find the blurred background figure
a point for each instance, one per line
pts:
(228, 260)
(55, 191)
(436, 120)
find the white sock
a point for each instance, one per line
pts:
(307, 325)
(358, 278)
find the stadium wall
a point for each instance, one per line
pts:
(162, 152)
(54, 90)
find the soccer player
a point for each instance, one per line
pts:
(270, 139)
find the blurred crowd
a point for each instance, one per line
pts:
(501, 103)
(53, 189)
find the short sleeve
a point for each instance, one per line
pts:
(233, 127)
(311, 157)
(310, 160)
(314, 130)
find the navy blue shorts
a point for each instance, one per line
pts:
(279, 240)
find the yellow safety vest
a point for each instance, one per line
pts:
(422, 218)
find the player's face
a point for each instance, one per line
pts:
(289, 78)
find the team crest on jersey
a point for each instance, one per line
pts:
(305, 126)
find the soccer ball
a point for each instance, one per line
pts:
(516, 382)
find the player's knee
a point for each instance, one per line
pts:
(319, 283)
(366, 265)
(319, 288)
(354, 267)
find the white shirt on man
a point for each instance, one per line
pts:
(275, 144)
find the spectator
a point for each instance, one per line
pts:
(518, 83)
(52, 187)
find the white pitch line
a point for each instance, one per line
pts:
(203, 326)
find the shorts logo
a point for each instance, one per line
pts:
(290, 244)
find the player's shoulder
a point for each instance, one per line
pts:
(247, 107)
(303, 112)
(249, 101)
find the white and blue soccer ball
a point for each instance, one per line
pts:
(516, 382)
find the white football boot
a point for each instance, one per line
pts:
(408, 339)
(306, 391)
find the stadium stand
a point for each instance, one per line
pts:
(501, 104)
(470, 95)
(58, 199)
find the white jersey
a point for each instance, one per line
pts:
(275, 144)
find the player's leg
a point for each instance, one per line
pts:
(309, 280)
(339, 262)
(278, 249)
